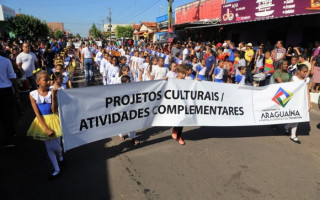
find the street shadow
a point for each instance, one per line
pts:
(243, 131)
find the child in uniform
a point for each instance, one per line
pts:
(113, 69)
(57, 78)
(240, 78)
(189, 75)
(158, 71)
(217, 75)
(172, 73)
(201, 71)
(66, 80)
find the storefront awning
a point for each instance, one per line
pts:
(226, 24)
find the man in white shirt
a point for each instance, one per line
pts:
(7, 79)
(87, 54)
(28, 61)
(159, 71)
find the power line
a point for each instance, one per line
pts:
(143, 10)
(131, 13)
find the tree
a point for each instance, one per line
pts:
(58, 34)
(78, 35)
(106, 34)
(124, 31)
(94, 31)
(28, 27)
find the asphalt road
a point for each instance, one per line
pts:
(232, 163)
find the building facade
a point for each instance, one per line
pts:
(55, 26)
(6, 13)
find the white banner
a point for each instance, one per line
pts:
(94, 113)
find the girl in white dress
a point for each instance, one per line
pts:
(301, 76)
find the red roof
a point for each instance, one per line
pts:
(150, 24)
(136, 26)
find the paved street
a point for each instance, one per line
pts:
(232, 163)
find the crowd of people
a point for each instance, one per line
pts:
(43, 68)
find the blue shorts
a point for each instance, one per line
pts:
(202, 77)
(218, 80)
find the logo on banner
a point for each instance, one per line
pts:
(282, 97)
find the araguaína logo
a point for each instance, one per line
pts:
(282, 97)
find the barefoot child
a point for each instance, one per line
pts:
(46, 125)
(177, 131)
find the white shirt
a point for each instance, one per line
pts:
(171, 75)
(99, 57)
(167, 59)
(65, 79)
(6, 72)
(128, 59)
(146, 68)
(28, 60)
(296, 79)
(159, 72)
(122, 52)
(41, 99)
(185, 54)
(87, 53)
(60, 88)
(112, 72)
(103, 65)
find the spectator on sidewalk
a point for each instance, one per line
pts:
(7, 80)
(28, 61)
(278, 54)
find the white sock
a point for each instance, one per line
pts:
(50, 145)
(294, 131)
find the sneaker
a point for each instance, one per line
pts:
(181, 141)
(54, 175)
(9, 145)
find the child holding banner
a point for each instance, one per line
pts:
(132, 134)
(301, 76)
(46, 126)
(177, 131)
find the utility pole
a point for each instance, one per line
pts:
(102, 26)
(170, 15)
(110, 20)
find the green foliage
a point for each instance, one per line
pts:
(28, 27)
(78, 35)
(124, 31)
(58, 34)
(106, 34)
(94, 31)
